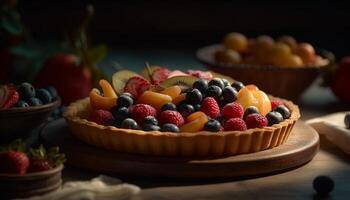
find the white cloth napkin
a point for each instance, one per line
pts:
(99, 188)
(333, 127)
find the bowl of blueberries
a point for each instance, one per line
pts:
(24, 108)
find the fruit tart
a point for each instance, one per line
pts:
(175, 113)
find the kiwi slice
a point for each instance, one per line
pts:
(120, 78)
(182, 81)
(148, 71)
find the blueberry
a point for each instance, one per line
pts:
(150, 120)
(124, 101)
(250, 110)
(185, 109)
(194, 96)
(197, 107)
(35, 102)
(120, 113)
(44, 96)
(347, 120)
(237, 85)
(170, 128)
(22, 104)
(323, 185)
(116, 123)
(201, 85)
(150, 127)
(52, 91)
(283, 110)
(212, 125)
(229, 94)
(168, 106)
(226, 82)
(274, 117)
(26, 91)
(221, 119)
(214, 91)
(129, 124)
(217, 82)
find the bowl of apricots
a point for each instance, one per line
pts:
(283, 67)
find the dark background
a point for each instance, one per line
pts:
(181, 24)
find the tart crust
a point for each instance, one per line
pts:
(157, 143)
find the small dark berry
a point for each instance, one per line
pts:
(26, 91)
(44, 96)
(237, 85)
(168, 106)
(125, 101)
(323, 185)
(194, 96)
(201, 85)
(129, 123)
(221, 119)
(283, 110)
(229, 94)
(274, 117)
(197, 107)
(120, 113)
(218, 82)
(52, 91)
(185, 109)
(250, 110)
(226, 82)
(22, 104)
(35, 102)
(150, 120)
(212, 125)
(214, 91)
(347, 120)
(170, 128)
(150, 127)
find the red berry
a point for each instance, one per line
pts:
(256, 121)
(8, 96)
(136, 85)
(170, 116)
(275, 103)
(210, 107)
(103, 117)
(159, 75)
(235, 124)
(200, 74)
(233, 110)
(39, 166)
(14, 162)
(140, 111)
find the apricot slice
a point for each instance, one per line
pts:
(179, 98)
(99, 102)
(108, 90)
(172, 91)
(195, 116)
(195, 125)
(157, 100)
(254, 97)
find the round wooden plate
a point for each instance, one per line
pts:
(300, 148)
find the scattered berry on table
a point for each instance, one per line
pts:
(185, 109)
(22, 104)
(323, 185)
(256, 121)
(168, 106)
(233, 110)
(171, 116)
(201, 85)
(250, 110)
(35, 102)
(274, 117)
(150, 127)
(229, 94)
(283, 110)
(194, 96)
(150, 120)
(129, 123)
(120, 113)
(102, 117)
(170, 128)
(214, 91)
(217, 82)
(212, 125)
(235, 124)
(44, 96)
(125, 101)
(26, 91)
(275, 103)
(52, 91)
(140, 111)
(210, 107)
(237, 85)
(347, 120)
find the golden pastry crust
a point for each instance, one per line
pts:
(202, 143)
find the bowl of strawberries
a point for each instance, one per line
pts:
(27, 173)
(23, 108)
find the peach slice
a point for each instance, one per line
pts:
(195, 116)
(107, 88)
(195, 125)
(157, 100)
(99, 102)
(172, 91)
(252, 96)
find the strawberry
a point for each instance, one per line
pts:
(210, 107)
(8, 96)
(13, 162)
(159, 75)
(43, 160)
(200, 74)
(39, 166)
(172, 117)
(136, 85)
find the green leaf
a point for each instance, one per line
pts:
(98, 53)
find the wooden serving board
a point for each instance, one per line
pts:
(300, 148)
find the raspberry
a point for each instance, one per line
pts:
(256, 121)
(233, 110)
(103, 117)
(210, 107)
(170, 116)
(235, 124)
(140, 111)
(275, 103)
